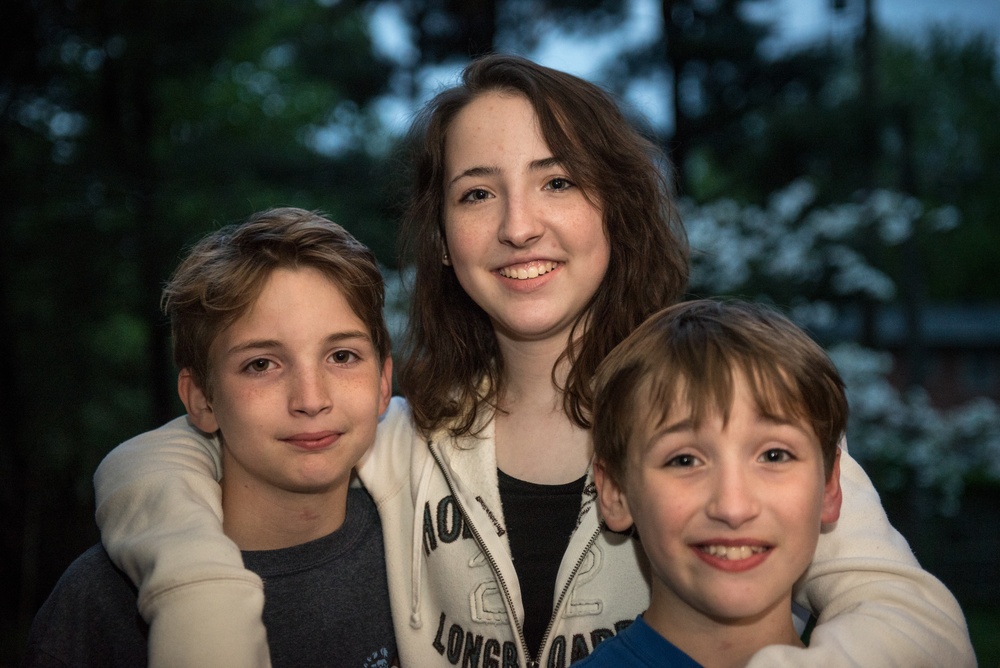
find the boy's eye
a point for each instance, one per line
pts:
(683, 461)
(343, 356)
(776, 456)
(258, 365)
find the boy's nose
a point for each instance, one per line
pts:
(734, 498)
(309, 394)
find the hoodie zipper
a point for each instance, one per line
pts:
(486, 553)
(564, 593)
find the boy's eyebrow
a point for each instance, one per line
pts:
(263, 344)
(779, 421)
(687, 424)
(492, 170)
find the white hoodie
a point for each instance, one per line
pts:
(455, 595)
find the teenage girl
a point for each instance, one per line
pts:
(543, 233)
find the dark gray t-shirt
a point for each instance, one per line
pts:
(326, 604)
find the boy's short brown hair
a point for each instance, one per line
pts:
(224, 273)
(690, 353)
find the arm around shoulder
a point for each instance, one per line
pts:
(876, 605)
(159, 508)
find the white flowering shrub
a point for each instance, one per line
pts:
(809, 258)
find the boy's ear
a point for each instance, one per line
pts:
(198, 407)
(385, 386)
(611, 499)
(833, 495)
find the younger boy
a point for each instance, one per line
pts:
(716, 431)
(283, 352)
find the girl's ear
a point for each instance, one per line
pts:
(611, 499)
(833, 495)
(385, 386)
(199, 408)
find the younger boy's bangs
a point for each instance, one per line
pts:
(703, 383)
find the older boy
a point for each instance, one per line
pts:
(283, 352)
(716, 431)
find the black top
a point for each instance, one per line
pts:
(540, 520)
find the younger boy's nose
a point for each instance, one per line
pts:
(734, 499)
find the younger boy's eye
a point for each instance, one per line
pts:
(683, 461)
(776, 456)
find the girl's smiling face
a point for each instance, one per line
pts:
(525, 243)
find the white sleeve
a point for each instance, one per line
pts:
(876, 606)
(159, 508)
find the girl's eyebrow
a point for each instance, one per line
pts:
(544, 163)
(493, 170)
(476, 171)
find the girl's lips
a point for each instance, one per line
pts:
(313, 441)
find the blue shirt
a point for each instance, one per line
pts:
(637, 645)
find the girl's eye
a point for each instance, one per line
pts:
(776, 456)
(259, 365)
(559, 183)
(683, 461)
(343, 357)
(476, 195)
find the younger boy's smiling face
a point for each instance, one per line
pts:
(729, 514)
(297, 387)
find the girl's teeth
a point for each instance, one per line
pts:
(531, 271)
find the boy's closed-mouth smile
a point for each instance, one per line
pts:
(313, 440)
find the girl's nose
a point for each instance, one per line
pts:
(521, 224)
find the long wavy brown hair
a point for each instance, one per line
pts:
(452, 367)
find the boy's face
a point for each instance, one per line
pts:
(297, 387)
(729, 515)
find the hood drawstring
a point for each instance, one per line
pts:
(417, 557)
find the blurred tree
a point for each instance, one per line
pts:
(129, 129)
(446, 30)
(713, 50)
(718, 77)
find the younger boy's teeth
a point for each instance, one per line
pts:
(523, 272)
(733, 553)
